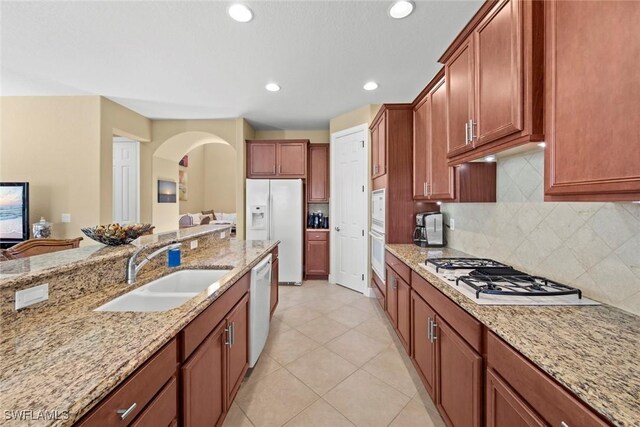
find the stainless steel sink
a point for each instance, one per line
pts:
(168, 292)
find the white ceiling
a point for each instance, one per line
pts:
(188, 59)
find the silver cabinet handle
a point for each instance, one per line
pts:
(471, 125)
(228, 332)
(466, 133)
(279, 169)
(563, 424)
(434, 337)
(424, 189)
(429, 330)
(124, 413)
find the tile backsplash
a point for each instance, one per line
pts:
(591, 246)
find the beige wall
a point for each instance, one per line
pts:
(220, 175)
(54, 144)
(164, 215)
(364, 114)
(120, 121)
(314, 136)
(195, 182)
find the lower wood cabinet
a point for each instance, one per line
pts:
(163, 410)
(505, 407)
(458, 378)
(423, 347)
(238, 346)
(275, 264)
(392, 296)
(316, 257)
(399, 306)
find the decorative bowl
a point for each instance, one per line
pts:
(116, 234)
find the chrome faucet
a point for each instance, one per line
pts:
(133, 268)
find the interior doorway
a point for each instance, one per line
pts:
(350, 208)
(126, 180)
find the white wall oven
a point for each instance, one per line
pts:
(377, 233)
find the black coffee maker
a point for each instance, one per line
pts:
(317, 220)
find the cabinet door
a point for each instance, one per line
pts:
(382, 146)
(423, 350)
(318, 183)
(459, 378)
(317, 258)
(375, 152)
(505, 408)
(261, 159)
(421, 132)
(204, 382)
(163, 410)
(292, 159)
(459, 82)
(441, 175)
(498, 66)
(392, 296)
(404, 314)
(274, 285)
(591, 104)
(238, 347)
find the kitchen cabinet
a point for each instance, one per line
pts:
(163, 410)
(392, 295)
(458, 377)
(494, 79)
(505, 407)
(593, 143)
(434, 179)
(275, 264)
(379, 146)
(318, 182)
(237, 323)
(286, 159)
(423, 348)
(317, 254)
(398, 304)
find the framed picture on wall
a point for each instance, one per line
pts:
(184, 161)
(182, 186)
(166, 191)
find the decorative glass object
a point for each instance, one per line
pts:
(42, 229)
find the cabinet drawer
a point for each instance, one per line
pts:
(399, 267)
(163, 410)
(317, 235)
(200, 327)
(379, 296)
(462, 322)
(138, 389)
(378, 283)
(555, 404)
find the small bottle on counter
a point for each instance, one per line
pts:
(173, 257)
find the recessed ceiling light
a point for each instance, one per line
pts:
(370, 86)
(542, 144)
(272, 87)
(401, 9)
(490, 158)
(240, 13)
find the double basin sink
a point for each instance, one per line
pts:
(167, 292)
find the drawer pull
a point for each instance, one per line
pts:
(124, 413)
(563, 424)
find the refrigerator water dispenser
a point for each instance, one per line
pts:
(258, 217)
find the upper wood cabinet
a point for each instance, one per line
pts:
(277, 159)
(379, 146)
(592, 96)
(318, 182)
(494, 78)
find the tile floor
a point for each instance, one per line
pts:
(332, 359)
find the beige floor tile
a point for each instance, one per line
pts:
(366, 401)
(236, 418)
(287, 346)
(321, 369)
(320, 414)
(357, 348)
(275, 399)
(368, 305)
(391, 368)
(377, 328)
(265, 366)
(278, 325)
(296, 316)
(417, 413)
(323, 305)
(348, 315)
(322, 329)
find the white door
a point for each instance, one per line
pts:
(349, 208)
(126, 206)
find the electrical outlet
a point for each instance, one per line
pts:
(33, 295)
(223, 234)
(193, 244)
(452, 224)
(65, 218)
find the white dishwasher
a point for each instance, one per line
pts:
(259, 308)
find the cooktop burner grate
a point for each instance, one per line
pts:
(463, 263)
(516, 285)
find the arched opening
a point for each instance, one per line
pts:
(206, 181)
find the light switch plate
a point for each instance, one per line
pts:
(65, 218)
(193, 244)
(223, 234)
(452, 224)
(36, 294)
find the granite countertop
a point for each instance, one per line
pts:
(71, 358)
(592, 350)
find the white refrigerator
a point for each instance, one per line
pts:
(274, 212)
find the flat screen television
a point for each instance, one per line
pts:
(14, 213)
